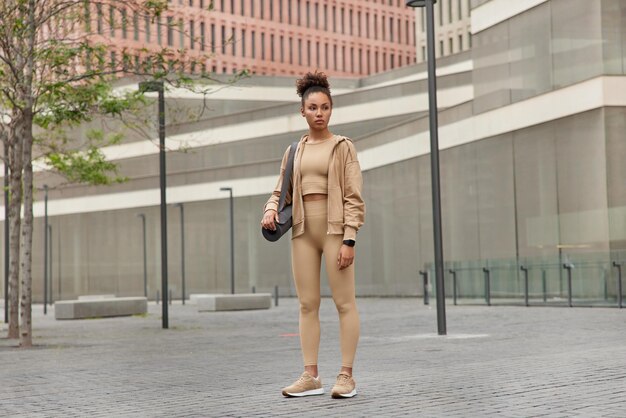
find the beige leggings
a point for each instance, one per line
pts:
(306, 252)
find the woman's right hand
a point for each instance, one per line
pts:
(269, 217)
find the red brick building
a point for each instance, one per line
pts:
(269, 37)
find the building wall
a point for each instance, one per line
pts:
(452, 28)
(268, 37)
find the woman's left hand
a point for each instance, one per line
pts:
(345, 257)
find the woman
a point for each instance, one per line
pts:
(327, 212)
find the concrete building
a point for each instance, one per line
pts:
(532, 123)
(347, 38)
(452, 28)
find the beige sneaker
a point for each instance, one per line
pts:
(306, 385)
(345, 387)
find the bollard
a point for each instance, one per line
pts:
(619, 283)
(544, 283)
(276, 295)
(157, 297)
(253, 289)
(487, 286)
(525, 270)
(453, 273)
(424, 274)
(170, 294)
(568, 267)
(606, 286)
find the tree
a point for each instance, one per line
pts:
(54, 76)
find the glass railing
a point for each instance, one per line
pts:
(590, 279)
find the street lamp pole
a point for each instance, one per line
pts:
(145, 259)
(6, 233)
(45, 250)
(158, 86)
(434, 159)
(182, 248)
(232, 240)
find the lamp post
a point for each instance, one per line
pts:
(145, 261)
(434, 159)
(232, 240)
(6, 233)
(45, 250)
(182, 248)
(157, 86)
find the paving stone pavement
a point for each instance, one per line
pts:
(495, 361)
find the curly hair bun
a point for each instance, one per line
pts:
(316, 79)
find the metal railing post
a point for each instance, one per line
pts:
(544, 285)
(454, 293)
(618, 266)
(525, 270)
(568, 268)
(487, 285)
(276, 295)
(424, 275)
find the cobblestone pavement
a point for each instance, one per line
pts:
(495, 361)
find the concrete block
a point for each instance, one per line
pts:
(92, 297)
(193, 298)
(99, 308)
(236, 302)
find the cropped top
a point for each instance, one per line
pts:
(314, 167)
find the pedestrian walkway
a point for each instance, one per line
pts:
(495, 361)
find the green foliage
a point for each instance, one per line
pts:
(88, 166)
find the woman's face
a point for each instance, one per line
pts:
(317, 110)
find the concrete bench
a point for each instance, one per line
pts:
(99, 308)
(236, 302)
(92, 297)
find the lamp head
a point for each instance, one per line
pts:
(149, 86)
(418, 3)
(226, 189)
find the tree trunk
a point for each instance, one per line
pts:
(15, 217)
(26, 335)
(26, 326)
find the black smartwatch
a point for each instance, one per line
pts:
(349, 242)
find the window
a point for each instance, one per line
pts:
(358, 23)
(441, 48)
(335, 57)
(113, 61)
(170, 31)
(326, 60)
(203, 36)
(317, 16)
(343, 58)
(290, 50)
(392, 59)
(440, 10)
(406, 31)
(350, 22)
(212, 36)
(136, 26)
(192, 35)
(233, 36)
(289, 12)
(325, 17)
(252, 8)
(334, 19)
(299, 51)
(369, 66)
(147, 29)
(280, 11)
(253, 43)
(112, 19)
(423, 53)
(375, 27)
(271, 10)
(181, 34)
(299, 12)
(460, 42)
(367, 25)
(382, 18)
(308, 14)
(99, 17)
(342, 22)
(450, 46)
(224, 40)
(449, 11)
(391, 29)
(308, 53)
(262, 45)
(124, 24)
(384, 61)
(282, 48)
(159, 31)
(243, 42)
(272, 55)
(263, 8)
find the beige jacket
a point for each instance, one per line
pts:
(346, 209)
